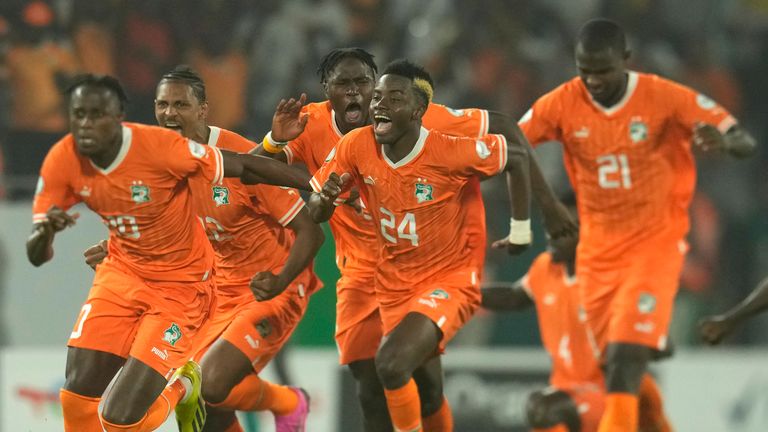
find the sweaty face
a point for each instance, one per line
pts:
(395, 108)
(603, 73)
(177, 108)
(349, 88)
(94, 119)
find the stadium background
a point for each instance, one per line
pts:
(495, 54)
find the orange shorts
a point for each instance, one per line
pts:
(449, 303)
(154, 322)
(258, 329)
(632, 302)
(590, 402)
(358, 322)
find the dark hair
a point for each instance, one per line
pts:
(599, 34)
(333, 58)
(412, 71)
(188, 76)
(106, 82)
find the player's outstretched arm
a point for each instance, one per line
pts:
(736, 142)
(254, 169)
(309, 238)
(558, 221)
(40, 242)
(322, 204)
(714, 328)
(505, 297)
(288, 123)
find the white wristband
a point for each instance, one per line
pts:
(274, 142)
(520, 232)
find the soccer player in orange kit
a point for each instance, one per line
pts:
(627, 144)
(262, 236)
(152, 296)
(308, 134)
(413, 182)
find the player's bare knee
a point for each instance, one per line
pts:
(391, 368)
(625, 366)
(215, 391)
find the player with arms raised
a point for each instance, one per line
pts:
(154, 293)
(627, 140)
(308, 133)
(412, 181)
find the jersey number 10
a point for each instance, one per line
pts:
(405, 230)
(613, 172)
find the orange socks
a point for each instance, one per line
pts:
(256, 394)
(556, 428)
(652, 407)
(156, 415)
(620, 413)
(405, 407)
(441, 421)
(81, 413)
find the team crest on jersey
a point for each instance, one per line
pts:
(439, 294)
(220, 195)
(482, 149)
(638, 131)
(140, 193)
(423, 192)
(455, 112)
(172, 334)
(646, 303)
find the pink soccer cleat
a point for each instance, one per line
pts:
(295, 421)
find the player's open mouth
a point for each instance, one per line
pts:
(85, 140)
(382, 124)
(353, 113)
(173, 126)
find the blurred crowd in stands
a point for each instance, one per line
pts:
(495, 54)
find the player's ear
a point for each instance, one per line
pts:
(204, 110)
(627, 54)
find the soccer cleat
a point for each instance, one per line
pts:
(297, 420)
(190, 414)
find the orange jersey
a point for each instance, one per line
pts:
(142, 197)
(416, 203)
(563, 334)
(356, 247)
(245, 224)
(631, 165)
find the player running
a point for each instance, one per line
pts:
(714, 328)
(152, 296)
(308, 133)
(427, 277)
(627, 140)
(247, 228)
